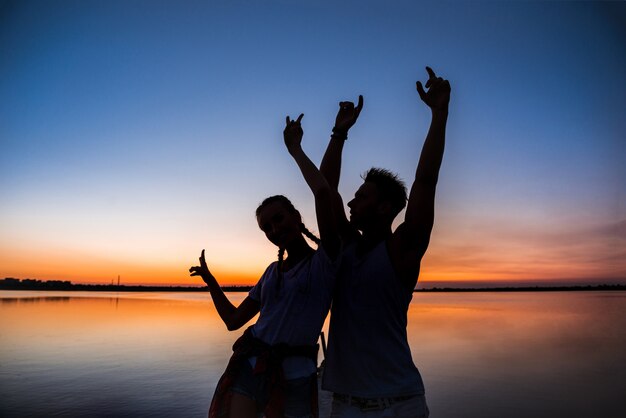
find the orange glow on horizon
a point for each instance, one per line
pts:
(90, 269)
(446, 262)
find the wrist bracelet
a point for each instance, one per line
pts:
(339, 134)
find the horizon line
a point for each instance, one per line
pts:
(426, 285)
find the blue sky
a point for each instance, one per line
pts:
(135, 133)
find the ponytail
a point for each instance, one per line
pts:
(279, 265)
(309, 234)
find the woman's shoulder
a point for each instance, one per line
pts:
(270, 269)
(321, 258)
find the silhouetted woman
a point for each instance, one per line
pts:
(273, 367)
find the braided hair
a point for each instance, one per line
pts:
(291, 209)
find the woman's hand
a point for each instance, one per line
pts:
(293, 133)
(202, 270)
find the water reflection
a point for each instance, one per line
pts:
(481, 354)
(110, 355)
(521, 354)
(10, 300)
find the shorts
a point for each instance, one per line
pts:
(297, 391)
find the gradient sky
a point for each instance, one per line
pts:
(133, 134)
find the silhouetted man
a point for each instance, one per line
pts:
(368, 365)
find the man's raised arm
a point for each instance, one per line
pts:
(331, 162)
(419, 218)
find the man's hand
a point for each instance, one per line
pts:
(202, 270)
(347, 116)
(438, 95)
(293, 133)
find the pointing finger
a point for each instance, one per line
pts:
(359, 106)
(431, 73)
(300, 118)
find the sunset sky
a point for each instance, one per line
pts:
(133, 134)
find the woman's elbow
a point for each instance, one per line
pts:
(232, 326)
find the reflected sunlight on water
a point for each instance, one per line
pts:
(513, 354)
(547, 354)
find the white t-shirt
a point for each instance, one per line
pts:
(294, 313)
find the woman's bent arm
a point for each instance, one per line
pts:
(233, 316)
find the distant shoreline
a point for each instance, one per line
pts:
(526, 288)
(58, 285)
(10, 283)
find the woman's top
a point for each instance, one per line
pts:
(294, 307)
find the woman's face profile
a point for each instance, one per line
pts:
(279, 224)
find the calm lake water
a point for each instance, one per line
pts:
(509, 354)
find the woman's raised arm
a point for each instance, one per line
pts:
(322, 192)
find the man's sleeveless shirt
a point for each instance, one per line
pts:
(368, 352)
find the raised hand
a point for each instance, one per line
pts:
(438, 95)
(202, 270)
(347, 115)
(293, 133)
